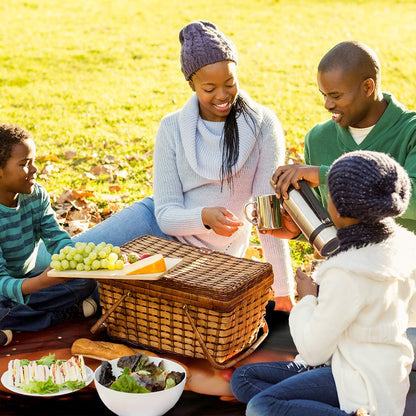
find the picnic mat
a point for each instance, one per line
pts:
(59, 339)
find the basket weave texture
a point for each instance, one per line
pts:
(225, 297)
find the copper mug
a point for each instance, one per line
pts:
(267, 208)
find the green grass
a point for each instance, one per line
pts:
(96, 76)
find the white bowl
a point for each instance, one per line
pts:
(146, 404)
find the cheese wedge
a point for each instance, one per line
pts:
(149, 265)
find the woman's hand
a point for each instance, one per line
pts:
(305, 284)
(283, 303)
(221, 221)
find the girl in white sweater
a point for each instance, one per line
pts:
(351, 337)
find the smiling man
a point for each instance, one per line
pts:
(362, 118)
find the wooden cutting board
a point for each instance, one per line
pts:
(115, 274)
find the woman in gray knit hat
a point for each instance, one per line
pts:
(354, 355)
(210, 158)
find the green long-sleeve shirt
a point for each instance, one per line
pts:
(394, 134)
(21, 228)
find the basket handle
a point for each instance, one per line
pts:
(235, 359)
(100, 321)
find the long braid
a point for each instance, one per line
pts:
(231, 138)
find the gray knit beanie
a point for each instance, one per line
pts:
(203, 44)
(368, 186)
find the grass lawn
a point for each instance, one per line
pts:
(91, 79)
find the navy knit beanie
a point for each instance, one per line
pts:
(203, 44)
(368, 186)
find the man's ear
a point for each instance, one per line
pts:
(191, 84)
(369, 86)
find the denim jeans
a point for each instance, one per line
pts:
(45, 307)
(286, 388)
(132, 222)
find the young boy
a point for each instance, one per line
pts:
(30, 302)
(351, 334)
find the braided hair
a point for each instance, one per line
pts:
(231, 138)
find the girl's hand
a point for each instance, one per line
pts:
(221, 221)
(305, 284)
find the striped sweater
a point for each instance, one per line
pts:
(21, 229)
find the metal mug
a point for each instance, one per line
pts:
(267, 208)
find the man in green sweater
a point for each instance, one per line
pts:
(363, 118)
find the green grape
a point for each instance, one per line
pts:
(104, 264)
(78, 258)
(72, 264)
(66, 249)
(55, 257)
(93, 255)
(116, 249)
(112, 257)
(80, 267)
(100, 246)
(102, 254)
(56, 264)
(69, 257)
(119, 264)
(95, 265)
(80, 246)
(88, 260)
(88, 249)
(65, 264)
(61, 256)
(111, 265)
(87, 267)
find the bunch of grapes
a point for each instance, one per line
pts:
(88, 256)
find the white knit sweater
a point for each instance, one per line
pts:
(367, 299)
(187, 161)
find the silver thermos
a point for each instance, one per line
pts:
(312, 219)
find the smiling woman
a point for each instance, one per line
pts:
(218, 152)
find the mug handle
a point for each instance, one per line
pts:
(250, 219)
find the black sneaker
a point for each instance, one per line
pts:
(6, 336)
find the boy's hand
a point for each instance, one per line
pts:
(41, 281)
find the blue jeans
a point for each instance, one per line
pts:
(286, 389)
(132, 222)
(45, 307)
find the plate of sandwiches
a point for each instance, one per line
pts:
(47, 376)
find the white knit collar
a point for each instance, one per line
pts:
(188, 125)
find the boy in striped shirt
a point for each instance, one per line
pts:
(31, 300)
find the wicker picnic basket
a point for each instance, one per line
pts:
(211, 305)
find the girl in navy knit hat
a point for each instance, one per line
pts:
(354, 355)
(211, 157)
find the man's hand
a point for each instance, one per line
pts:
(288, 230)
(290, 175)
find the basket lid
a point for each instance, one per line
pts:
(205, 272)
